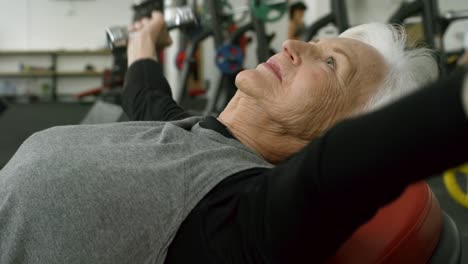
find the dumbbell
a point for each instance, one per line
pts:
(174, 17)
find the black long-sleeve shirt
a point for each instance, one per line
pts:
(296, 211)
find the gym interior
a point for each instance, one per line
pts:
(64, 62)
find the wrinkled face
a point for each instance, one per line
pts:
(307, 87)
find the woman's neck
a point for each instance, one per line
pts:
(255, 129)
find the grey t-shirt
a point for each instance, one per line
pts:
(114, 193)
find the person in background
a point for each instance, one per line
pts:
(296, 20)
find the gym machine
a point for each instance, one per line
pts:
(337, 16)
(229, 55)
(434, 25)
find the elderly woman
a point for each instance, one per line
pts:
(273, 179)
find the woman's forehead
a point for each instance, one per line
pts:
(343, 42)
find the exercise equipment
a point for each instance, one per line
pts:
(180, 57)
(226, 88)
(269, 10)
(225, 12)
(434, 24)
(454, 188)
(229, 59)
(110, 80)
(215, 9)
(337, 16)
(230, 43)
(175, 17)
(411, 229)
(263, 40)
(265, 10)
(189, 58)
(224, 82)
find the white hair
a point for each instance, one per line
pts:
(409, 68)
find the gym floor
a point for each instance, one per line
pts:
(22, 120)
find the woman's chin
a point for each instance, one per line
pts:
(248, 81)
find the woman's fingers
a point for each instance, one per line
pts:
(153, 24)
(156, 15)
(137, 25)
(145, 21)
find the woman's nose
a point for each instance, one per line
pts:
(290, 48)
(296, 49)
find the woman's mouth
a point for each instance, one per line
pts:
(274, 67)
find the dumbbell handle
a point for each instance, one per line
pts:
(174, 17)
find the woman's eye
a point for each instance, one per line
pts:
(331, 62)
